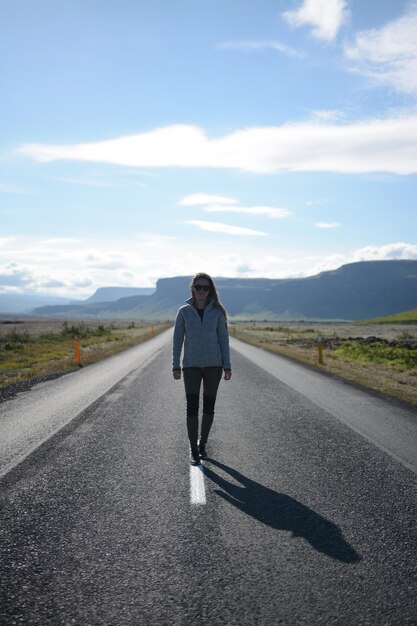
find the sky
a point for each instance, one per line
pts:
(141, 139)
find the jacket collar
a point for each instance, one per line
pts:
(210, 303)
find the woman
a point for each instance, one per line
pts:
(201, 325)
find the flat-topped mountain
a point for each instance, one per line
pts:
(352, 292)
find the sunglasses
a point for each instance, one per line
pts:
(202, 287)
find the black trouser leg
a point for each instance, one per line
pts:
(192, 430)
(193, 376)
(211, 381)
(192, 382)
(206, 423)
(192, 418)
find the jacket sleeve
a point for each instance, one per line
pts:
(178, 340)
(223, 339)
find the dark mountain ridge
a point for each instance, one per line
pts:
(352, 292)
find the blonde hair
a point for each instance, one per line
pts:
(212, 293)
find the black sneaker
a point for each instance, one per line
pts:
(194, 456)
(202, 450)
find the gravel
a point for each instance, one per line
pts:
(10, 391)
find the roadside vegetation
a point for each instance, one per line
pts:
(382, 357)
(405, 317)
(39, 349)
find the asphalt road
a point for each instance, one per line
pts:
(34, 416)
(296, 518)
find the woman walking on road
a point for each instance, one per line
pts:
(201, 325)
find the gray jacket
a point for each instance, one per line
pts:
(206, 341)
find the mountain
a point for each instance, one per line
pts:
(239, 295)
(103, 310)
(25, 302)
(353, 292)
(112, 294)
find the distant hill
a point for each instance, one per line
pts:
(112, 294)
(25, 302)
(103, 310)
(353, 292)
(405, 317)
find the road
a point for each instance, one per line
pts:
(296, 518)
(35, 416)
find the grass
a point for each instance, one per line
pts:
(39, 349)
(405, 317)
(379, 357)
(399, 357)
(382, 357)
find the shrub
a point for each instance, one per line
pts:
(14, 339)
(401, 357)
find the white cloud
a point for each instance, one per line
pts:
(88, 182)
(59, 241)
(326, 224)
(388, 252)
(97, 182)
(317, 202)
(11, 275)
(389, 55)
(328, 115)
(51, 284)
(205, 198)
(268, 211)
(225, 204)
(379, 145)
(139, 260)
(5, 241)
(218, 227)
(278, 46)
(326, 17)
(293, 265)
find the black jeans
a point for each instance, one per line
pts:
(193, 376)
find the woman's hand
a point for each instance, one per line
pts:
(176, 374)
(227, 374)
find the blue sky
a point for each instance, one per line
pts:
(144, 139)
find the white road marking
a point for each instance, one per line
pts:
(197, 489)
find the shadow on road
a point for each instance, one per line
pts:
(282, 512)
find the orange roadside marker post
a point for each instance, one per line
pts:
(320, 350)
(77, 351)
